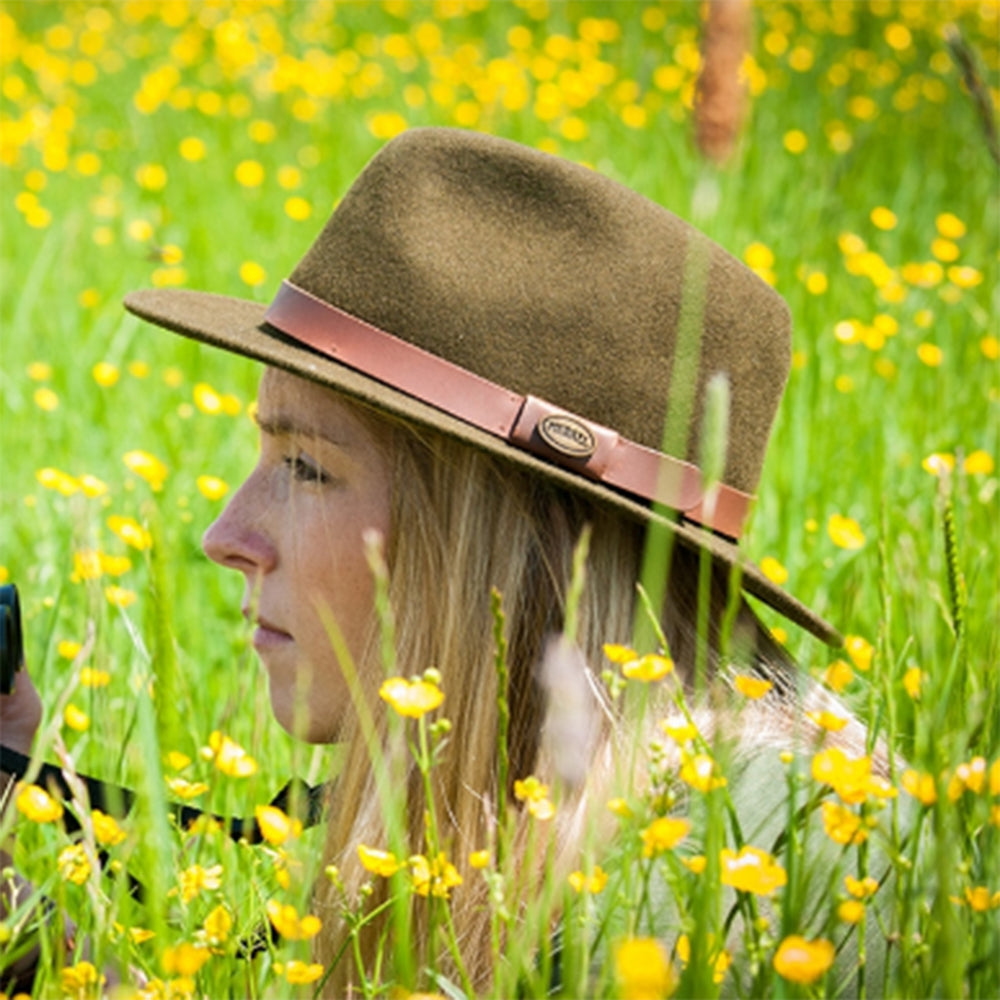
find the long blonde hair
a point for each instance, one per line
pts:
(466, 524)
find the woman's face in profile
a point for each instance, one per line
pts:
(295, 530)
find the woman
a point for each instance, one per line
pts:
(487, 351)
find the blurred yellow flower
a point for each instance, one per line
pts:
(751, 870)
(535, 796)
(300, 973)
(60, 482)
(950, 226)
(39, 371)
(196, 879)
(861, 888)
(842, 825)
(275, 825)
(378, 862)
(913, 681)
(433, 876)
(695, 864)
(94, 678)
(86, 565)
(643, 970)
(990, 347)
(802, 961)
(73, 864)
(107, 832)
(130, 532)
(191, 149)
(216, 926)
(773, 570)
(289, 924)
(592, 883)
(930, 354)
(663, 834)
(860, 650)
(184, 959)
(387, 124)
(76, 718)
(105, 374)
(81, 980)
(480, 859)
(252, 274)
(147, 467)
(411, 699)
(249, 173)
(922, 786)
(648, 668)
(151, 176)
(701, 772)
(752, 687)
(979, 463)
(830, 721)
(229, 757)
(981, 899)
(938, 463)
(36, 804)
(120, 597)
(845, 532)
(298, 209)
(186, 789)
(883, 218)
(965, 276)
(92, 486)
(850, 777)
(211, 487)
(795, 141)
(45, 399)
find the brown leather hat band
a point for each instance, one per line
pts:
(529, 423)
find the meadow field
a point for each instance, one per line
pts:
(203, 145)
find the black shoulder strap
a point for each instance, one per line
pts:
(297, 798)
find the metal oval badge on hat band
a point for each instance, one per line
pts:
(567, 435)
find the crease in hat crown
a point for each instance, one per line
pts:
(542, 276)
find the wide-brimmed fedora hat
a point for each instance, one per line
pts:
(538, 310)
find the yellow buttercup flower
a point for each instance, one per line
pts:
(276, 826)
(923, 787)
(751, 870)
(411, 699)
(480, 859)
(842, 825)
(185, 959)
(802, 961)
(849, 777)
(107, 832)
(147, 467)
(845, 532)
(773, 570)
(643, 970)
(76, 718)
(860, 650)
(196, 879)
(651, 667)
(130, 532)
(663, 834)
(861, 888)
(216, 926)
(535, 796)
(289, 924)
(73, 864)
(301, 973)
(186, 789)
(701, 772)
(825, 719)
(433, 876)
(752, 687)
(81, 980)
(592, 883)
(229, 757)
(979, 463)
(378, 862)
(37, 805)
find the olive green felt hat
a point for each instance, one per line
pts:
(540, 311)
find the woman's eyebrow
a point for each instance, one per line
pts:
(284, 425)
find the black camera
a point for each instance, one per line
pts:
(11, 639)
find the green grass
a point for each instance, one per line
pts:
(851, 438)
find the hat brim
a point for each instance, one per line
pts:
(238, 326)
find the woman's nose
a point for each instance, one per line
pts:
(238, 539)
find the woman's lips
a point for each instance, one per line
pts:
(268, 637)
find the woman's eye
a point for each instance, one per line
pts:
(304, 471)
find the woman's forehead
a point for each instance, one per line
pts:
(290, 404)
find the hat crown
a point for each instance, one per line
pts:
(554, 281)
